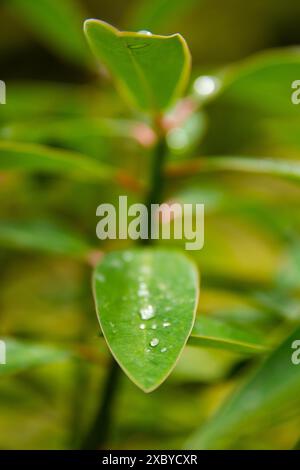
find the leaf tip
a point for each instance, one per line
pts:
(91, 23)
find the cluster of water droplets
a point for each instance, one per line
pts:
(147, 310)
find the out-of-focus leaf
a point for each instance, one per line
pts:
(203, 365)
(21, 355)
(57, 23)
(41, 100)
(282, 133)
(282, 168)
(67, 130)
(152, 14)
(263, 166)
(101, 139)
(288, 276)
(264, 83)
(278, 302)
(150, 71)
(273, 387)
(223, 200)
(41, 236)
(31, 157)
(253, 107)
(147, 320)
(209, 332)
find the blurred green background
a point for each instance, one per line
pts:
(57, 98)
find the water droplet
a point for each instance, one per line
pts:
(166, 324)
(163, 350)
(148, 350)
(143, 293)
(144, 31)
(154, 342)
(100, 277)
(142, 326)
(147, 312)
(206, 85)
(112, 325)
(143, 290)
(154, 326)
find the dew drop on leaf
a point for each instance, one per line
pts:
(100, 277)
(147, 312)
(154, 342)
(144, 31)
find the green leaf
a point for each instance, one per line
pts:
(144, 297)
(272, 167)
(94, 137)
(150, 71)
(263, 83)
(57, 23)
(263, 166)
(41, 236)
(23, 355)
(213, 333)
(253, 108)
(66, 131)
(274, 386)
(34, 100)
(224, 201)
(31, 157)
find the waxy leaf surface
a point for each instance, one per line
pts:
(146, 302)
(150, 71)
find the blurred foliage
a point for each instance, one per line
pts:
(68, 143)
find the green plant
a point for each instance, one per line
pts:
(151, 72)
(151, 154)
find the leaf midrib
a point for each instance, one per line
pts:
(140, 73)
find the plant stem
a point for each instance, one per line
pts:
(156, 182)
(98, 434)
(100, 430)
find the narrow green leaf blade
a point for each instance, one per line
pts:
(146, 302)
(150, 71)
(213, 333)
(33, 157)
(273, 387)
(43, 237)
(23, 355)
(286, 169)
(264, 166)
